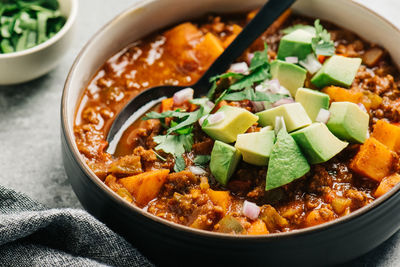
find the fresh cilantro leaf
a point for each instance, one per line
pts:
(202, 160)
(184, 130)
(165, 114)
(159, 156)
(250, 94)
(202, 102)
(260, 59)
(180, 164)
(322, 43)
(174, 144)
(189, 120)
(211, 92)
(258, 75)
(307, 28)
(227, 75)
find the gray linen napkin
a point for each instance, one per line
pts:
(33, 235)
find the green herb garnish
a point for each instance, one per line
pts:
(180, 164)
(322, 43)
(252, 95)
(202, 160)
(25, 24)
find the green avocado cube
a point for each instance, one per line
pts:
(223, 162)
(295, 44)
(348, 122)
(286, 163)
(289, 75)
(318, 143)
(337, 70)
(294, 115)
(312, 101)
(236, 121)
(256, 147)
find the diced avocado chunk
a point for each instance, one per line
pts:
(348, 122)
(236, 121)
(224, 160)
(289, 75)
(286, 163)
(312, 101)
(337, 70)
(295, 44)
(294, 115)
(318, 143)
(256, 147)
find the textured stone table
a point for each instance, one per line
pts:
(30, 148)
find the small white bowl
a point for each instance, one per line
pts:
(26, 65)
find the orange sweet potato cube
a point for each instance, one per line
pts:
(220, 198)
(388, 134)
(145, 186)
(386, 184)
(208, 50)
(339, 94)
(258, 228)
(374, 160)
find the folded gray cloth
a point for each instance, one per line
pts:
(33, 235)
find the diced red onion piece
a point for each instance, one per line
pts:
(279, 124)
(240, 67)
(367, 135)
(217, 117)
(293, 60)
(250, 210)
(362, 107)
(183, 95)
(197, 170)
(323, 116)
(283, 101)
(258, 105)
(311, 63)
(249, 57)
(201, 120)
(274, 85)
(210, 104)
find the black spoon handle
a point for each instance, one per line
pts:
(264, 18)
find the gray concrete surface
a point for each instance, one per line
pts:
(30, 148)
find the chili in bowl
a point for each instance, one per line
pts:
(300, 132)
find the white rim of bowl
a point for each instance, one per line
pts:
(70, 142)
(68, 24)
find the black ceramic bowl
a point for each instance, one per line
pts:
(168, 243)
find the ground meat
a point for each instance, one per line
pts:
(180, 182)
(128, 165)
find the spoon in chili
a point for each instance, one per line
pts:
(152, 96)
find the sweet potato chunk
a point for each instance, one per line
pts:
(145, 186)
(339, 94)
(236, 29)
(167, 104)
(386, 184)
(374, 160)
(372, 56)
(220, 198)
(208, 50)
(258, 228)
(181, 37)
(388, 134)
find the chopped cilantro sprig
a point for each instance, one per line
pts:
(321, 43)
